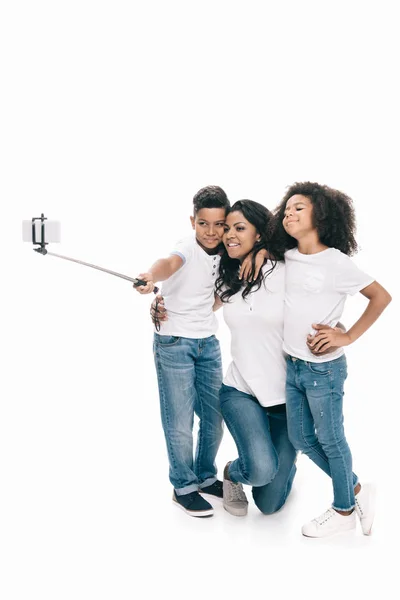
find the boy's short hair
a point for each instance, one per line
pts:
(211, 196)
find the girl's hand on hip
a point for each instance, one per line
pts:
(326, 340)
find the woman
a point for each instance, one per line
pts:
(253, 391)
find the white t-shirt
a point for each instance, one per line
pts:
(258, 364)
(316, 289)
(189, 293)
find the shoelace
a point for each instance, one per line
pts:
(217, 485)
(328, 514)
(236, 492)
(191, 498)
(359, 507)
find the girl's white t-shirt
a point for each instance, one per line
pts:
(316, 289)
(189, 293)
(258, 364)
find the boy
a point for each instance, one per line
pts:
(187, 354)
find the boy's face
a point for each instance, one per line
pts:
(209, 227)
(298, 220)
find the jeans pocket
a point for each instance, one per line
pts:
(320, 368)
(167, 340)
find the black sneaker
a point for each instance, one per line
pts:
(193, 504)
(213, 491)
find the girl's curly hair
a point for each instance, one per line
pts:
(228, 282)
(333, 216)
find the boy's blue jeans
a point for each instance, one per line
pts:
(189, 373)
(266, 456)
(314, 403)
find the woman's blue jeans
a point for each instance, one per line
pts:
(266, 456)
(314, 402)
(189, 373)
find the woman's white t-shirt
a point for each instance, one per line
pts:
(258, 364)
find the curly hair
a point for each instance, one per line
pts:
(333, 216)
(228, 282)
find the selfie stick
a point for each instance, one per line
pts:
(38, 232)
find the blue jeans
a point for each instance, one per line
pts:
(314, 403)
(189, 373)
(266, 456)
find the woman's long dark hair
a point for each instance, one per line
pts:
(228, 282)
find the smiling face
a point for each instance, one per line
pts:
(298, 221)
(209, 227)
(239, 236)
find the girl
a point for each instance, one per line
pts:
(317, 223)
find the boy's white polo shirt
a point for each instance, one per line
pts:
(258, 364)
(189, 293)
(317, 286)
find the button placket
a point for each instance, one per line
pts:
(214, 265)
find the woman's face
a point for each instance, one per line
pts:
(239, 235)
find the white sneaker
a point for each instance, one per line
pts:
(329, 523)
(365, 507)
(235, 501)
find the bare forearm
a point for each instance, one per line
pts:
(373, 311)
(161, 269)
(328, 338)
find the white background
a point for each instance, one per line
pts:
(113, 114)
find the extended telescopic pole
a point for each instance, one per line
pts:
(42, 250)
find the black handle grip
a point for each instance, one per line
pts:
(138, 282)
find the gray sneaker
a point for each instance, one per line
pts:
(235, 501)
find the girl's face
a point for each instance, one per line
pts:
(239, 236)
(298, 220)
